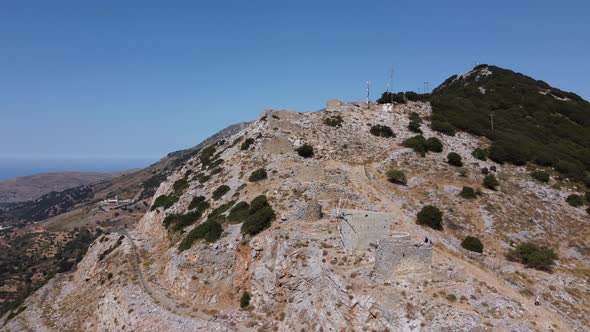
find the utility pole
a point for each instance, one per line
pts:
(426, 87)
(492, 120)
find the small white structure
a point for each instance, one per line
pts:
(387, 108)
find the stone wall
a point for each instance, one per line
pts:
(398, 257)
(360, 229)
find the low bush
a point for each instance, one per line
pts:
(481, 154)
(490, 182)
(305, 151)
(333, 121)
(245, 300)
(199, 203)
(587, 196)
(414, 126)
(164, 201)
(433, 144)
(381, 131)
(258, 175)
(540, 176)
(575, 200)
(239, 212)
(415, 117)
(209, 231)
(468, 192)
(454, 159)
(260, 216)
(533, 256)
(430, 216)
(246, 144)
(472, 243)
(219, 192)
(443, 127)
(396, 176)
(180, 185)
(180, 221)
(390, 97)
(416, 143)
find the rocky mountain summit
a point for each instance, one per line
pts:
(320, 221)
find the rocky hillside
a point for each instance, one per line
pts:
(241, 237)
(50, 234)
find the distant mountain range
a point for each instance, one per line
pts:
(27, 188)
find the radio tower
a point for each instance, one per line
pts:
(426, 87)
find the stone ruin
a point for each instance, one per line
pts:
(361, 229)
(397, 256)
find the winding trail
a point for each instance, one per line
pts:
(160, 298)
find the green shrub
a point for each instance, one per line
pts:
(490, 182)
(575, 200)
(260, 216)
(442, 127)
(165, 201)
(415, 117)
(414, 126)
(587, 196)
(180, 221)
(198, 202)
(508, 151)
(381, 131)
(202, 177)
(209, 231)
(305, 151)
(430, 216)
(434, 144)
(396, 176)
(390, 97)
(239, 212)
(481, 154)
(540, 176)
(533, 256)
(246, 144)
(472, 244)
(180, 185)
(258, 221)
(258, 175)
(412, 96)
(454, 159)
(258, 203)
(333, 121)
(468, 192)
(245, 300)
(416, 143)
(219, 192)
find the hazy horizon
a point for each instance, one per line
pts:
(24, 166)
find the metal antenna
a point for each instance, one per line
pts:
(390, 84)
(368, 94)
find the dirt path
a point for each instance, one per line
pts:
(164, 301)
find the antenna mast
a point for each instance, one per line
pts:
(368, 94)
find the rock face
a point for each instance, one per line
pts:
(338, 273)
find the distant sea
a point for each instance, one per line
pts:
(13, 167)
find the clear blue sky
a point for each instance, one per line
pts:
(115, 78)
